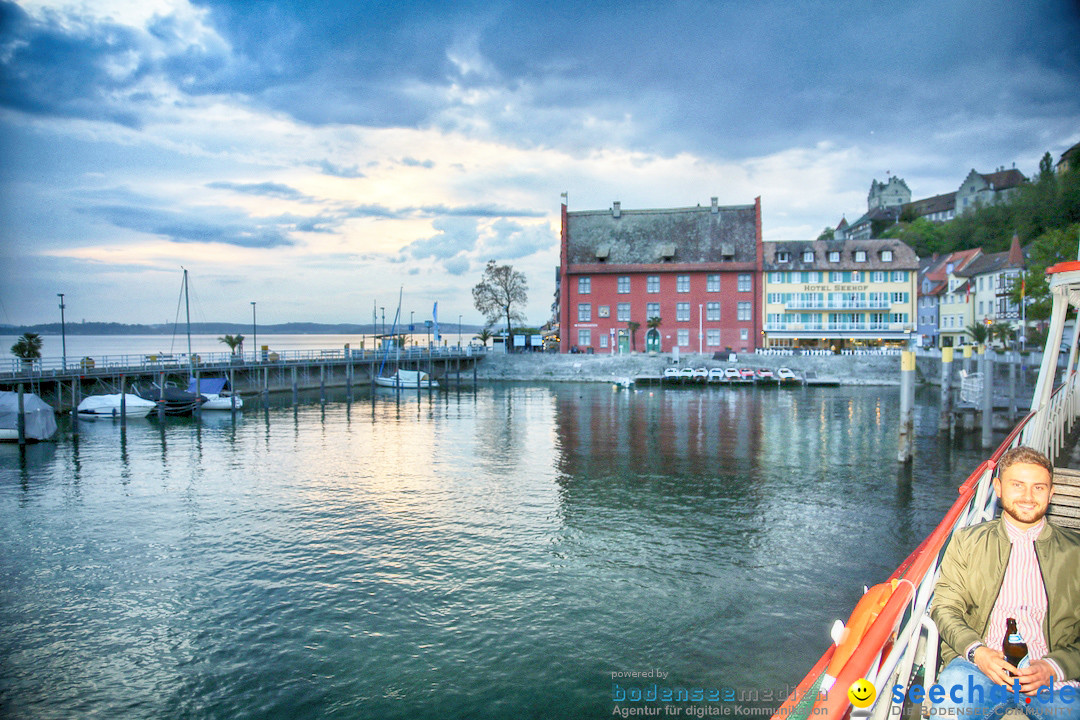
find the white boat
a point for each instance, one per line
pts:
(108, 406)
(406, 379)
(216, 393)
(39, 420)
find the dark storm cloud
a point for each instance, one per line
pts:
(185, 228)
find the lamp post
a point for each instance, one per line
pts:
(254, 332)
(63, 333)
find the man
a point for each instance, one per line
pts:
(1020, 566)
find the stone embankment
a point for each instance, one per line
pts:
(551, 367)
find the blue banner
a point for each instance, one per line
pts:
(435, 319)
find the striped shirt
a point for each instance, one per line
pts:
(1023, 597)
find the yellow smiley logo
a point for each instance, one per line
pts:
(862, 693)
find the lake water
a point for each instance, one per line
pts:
(497, 554)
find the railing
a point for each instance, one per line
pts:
(839, 305)
(838, 327)
(152, 362)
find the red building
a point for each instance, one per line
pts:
(697, 269)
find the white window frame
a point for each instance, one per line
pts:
(584, 285)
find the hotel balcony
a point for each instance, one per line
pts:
(800, 304)
(869, 327)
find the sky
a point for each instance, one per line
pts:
(318, 158)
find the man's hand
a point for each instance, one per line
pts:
(994, 665)
(1038, 674)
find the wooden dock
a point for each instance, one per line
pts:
(250, 376)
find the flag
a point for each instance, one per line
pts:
(435, 319)
(1022, 288)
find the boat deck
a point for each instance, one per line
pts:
(1065, 506)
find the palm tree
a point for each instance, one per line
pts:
(1003, 332)
(28, 348)
(633, 326)
(978, 332)
(483, 336)
(233, 341)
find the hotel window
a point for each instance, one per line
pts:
(776, 277)
(856, 276)
(584, 337)
(899, 276)
(783, 256)
(652, 310)
(743, 311)
(712, 337)
(886, 256)
(682, 283)
(682, 312)
(834, 256)
(684, 337)
(712, 311)
(835, 276)
(745, 282)
(712, 283)
(584, 312)
(860, 256)
(652, 284)
(623, 309)
(900, 297)
(808, 256)
(877, 276)
(584, 285)
(603, 340)
(624, 285)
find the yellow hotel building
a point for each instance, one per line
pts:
(839, 294)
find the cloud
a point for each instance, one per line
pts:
(265, 189)
(413, 162)
(457, 266)
(341, 171)
(190, 227)
(510, 240)
(455, 235)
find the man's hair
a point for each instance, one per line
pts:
(1027, 456)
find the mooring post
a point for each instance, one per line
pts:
(123, 401)
(986, 367)
(75, 406)
(907, 406)
(967, 359)
(266, 386)
(20, 423)
(348, 379)
(161, 396)
(322, 384)
(232, 391)
(1014, 359)
(945, 418)
(198, 394)
(295, 389)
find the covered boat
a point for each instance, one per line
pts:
(40, 421)
(174, 400)
(109, 406)
(406, 379)
(216, 393)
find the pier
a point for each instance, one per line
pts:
(251, 375)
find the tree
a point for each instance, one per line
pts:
(632, 326)
(483, 336)
(978, 332)
(1048, 249)
(499, 293)
(233, 341)
(28, 347)
(1003, 332)
(827, 234)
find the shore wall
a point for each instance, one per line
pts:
(848, 369)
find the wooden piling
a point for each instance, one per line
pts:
(986, 367)
(322, 384)
(75, 407)
(907, 406)
(945, 418)
(123, 401)
(295, 389)
(1014, 361)
(20, 423)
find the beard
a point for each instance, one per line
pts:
(1028, 516)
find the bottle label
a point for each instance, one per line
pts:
(1015, 638)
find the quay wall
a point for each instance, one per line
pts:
(550, 367)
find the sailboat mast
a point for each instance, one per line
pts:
(187, 312)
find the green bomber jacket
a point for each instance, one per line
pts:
(972, 571)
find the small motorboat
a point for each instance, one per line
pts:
(216, 394)
(39, 420)
(172, 399)
(407, 379)
(113, 405)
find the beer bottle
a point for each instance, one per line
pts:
(1014, 647)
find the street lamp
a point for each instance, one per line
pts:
(63, 332)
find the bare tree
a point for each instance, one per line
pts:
(499, 293)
